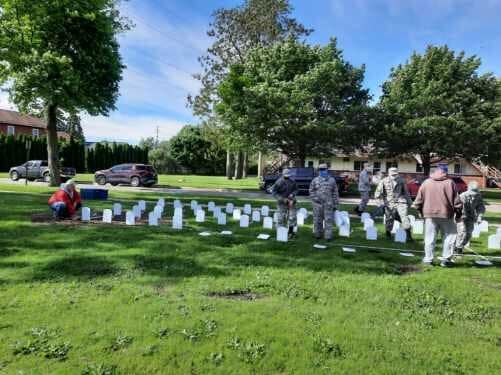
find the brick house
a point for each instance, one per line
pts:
(15, 123)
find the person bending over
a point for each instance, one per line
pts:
(65, 202)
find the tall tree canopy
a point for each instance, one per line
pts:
(61, 54)
(298, 99)
(437, 105)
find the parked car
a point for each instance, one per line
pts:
(414, 184)
(303, 178)
(133, 174)
(39, 169)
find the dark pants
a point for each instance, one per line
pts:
(59, 210)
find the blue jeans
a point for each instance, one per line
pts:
(59, 210)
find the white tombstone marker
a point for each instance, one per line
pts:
(476, 231)
(161, 202)
(107, 216)
(256, 216)
(130, 218)
(216, 212)
(300, 219)
(85, 214)
(338, 218)
(142, 205)
(244, 221)
(177, 222)
(404, 254)
(344, 230)
(200, 216)
(229, 208)
(221, 219)
(226, 233)
(210, 206)
(412, 219)
(498, 232)
(137, 211)
(282, 234)
(371, 234)
(268, 223)
(368, 223)
(365, 216)
(158, 210)
(237, 214)
(349, 250)
(418, 227)
(396, 226)
(303, 211)
(178, 211)
(204, 234)
(265, 211)
(275, 217)
(117, 209)
(401, 236)
(494, 242)
(247, 209)
(177, 203)
(484, 226)
(193, 204)
(321, 247)
(263, 236)
(153, 219)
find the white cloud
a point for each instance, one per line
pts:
(129, 128)
(4, 101)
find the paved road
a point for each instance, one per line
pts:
(493, 207)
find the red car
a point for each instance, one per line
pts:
(414, 184)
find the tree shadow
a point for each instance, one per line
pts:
(75, 266)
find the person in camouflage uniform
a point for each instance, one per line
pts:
(325, 197)
(364, 188)
(473, 209)
(392, 190)
(284, 191)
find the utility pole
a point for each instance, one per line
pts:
(156, 142)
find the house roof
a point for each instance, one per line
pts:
(16, 118)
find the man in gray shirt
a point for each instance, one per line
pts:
(364, 188)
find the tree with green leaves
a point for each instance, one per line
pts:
(61, 55)
(437, 105)
(298, 99)
(235, 32)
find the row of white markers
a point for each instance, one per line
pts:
(248, 214)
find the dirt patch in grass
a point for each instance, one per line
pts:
(404, 269)
(243, 295)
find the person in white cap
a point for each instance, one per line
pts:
(364, 188)
(284, 190)
(392, 190)
(65, 202)
(473, 209)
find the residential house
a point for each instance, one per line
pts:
(16, 124)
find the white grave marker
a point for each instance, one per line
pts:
(344, 230)
(200, 216)
(418, 227)
(349, 250)
(226, 232)
(247, 209)
(256, 216)
(396, 226)
(265, 211)
(193, 205)
(275, 217)
(161, 202)
(268, 223)
(476, 231)
(216, 212)
(142, 205)
(263, 236)
(412, 219)
(117, 209)
(204, 234)
(86, 214)
(368, 223)
(229, 208)
(498, 232)
(221, 219)
(494, 242)
(244, 221)
(484, 226)
(210, 206)
(401, 236)
(177, 203)
(303, 211)
(137, 211)
(153, 219)
(371, 234)
(321, 247)
(300, 219)
(107, 216)
(177, 222)
(407, 254)
(237, 214)
(338, 218)
(365, 216)
(158, 210)
(282, 234)
(130, 218)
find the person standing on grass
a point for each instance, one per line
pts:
(438, 202)
(284, 190)
(325, 197)
(473, 209)
(364, 188)
(65, 202)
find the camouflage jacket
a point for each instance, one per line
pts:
(393, 192)
(473, 204)
(283, 188)
(324, 190)
(364, 181)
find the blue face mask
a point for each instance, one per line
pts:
(324, 173)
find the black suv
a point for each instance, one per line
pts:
(133, 174)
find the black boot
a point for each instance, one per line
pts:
(291, 232)
(409, 236)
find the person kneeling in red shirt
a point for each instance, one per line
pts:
(65, 202)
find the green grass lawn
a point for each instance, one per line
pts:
(106, 299)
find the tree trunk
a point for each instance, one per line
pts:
(245, 163)
(425, 158)
(238, 165)
(260, 162)
(52, 146)
(229, 165)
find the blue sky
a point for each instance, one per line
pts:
(161, 51)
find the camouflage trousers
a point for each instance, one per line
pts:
(323, 218)
(399, 213)
(286, 215)
(364, 200)
(464, 229)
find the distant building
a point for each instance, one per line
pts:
(16, 124)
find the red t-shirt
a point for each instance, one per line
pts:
(63, 196)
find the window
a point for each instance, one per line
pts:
(391, 164)
(44, 163)
(358, 164)
(35, 132)
(11, 130)
(310, 164)
(457, 168)
(419, 168)
(376, 167)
